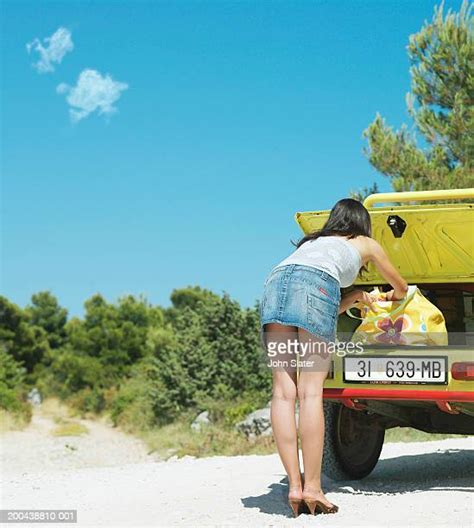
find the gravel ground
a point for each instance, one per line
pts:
(115, 483)
(35, 450)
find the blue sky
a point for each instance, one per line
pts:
(235, 115)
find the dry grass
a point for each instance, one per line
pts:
(407, 434)
(62, 415)
(12, 422)
(55, 409)
(69, 428)
(179, 439)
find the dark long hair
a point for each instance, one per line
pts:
(348, 218)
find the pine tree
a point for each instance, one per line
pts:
(362, 194)
(441, 104)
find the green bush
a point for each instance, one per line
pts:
(225, 411)
(88, 400)
(12, 388)
(216, 352)
(142, 401)
(236, 413)
(72, 372)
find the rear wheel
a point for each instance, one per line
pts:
(353, 442)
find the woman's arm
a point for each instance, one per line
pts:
(356, 296)
(388, 271)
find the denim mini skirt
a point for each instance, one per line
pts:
(302, 296)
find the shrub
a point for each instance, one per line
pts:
(12, 388)
(88, 400)
(72, 372)
(142, 400)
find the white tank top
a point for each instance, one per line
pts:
(332, 254)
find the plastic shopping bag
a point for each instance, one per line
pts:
(413, 320)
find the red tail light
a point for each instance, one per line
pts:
(463, 371)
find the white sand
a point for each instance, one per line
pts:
(414, 484)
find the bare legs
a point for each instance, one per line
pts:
(311, 418)
(308, 388)
(283, 411)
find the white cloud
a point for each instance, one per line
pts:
(53, 51)
(92, 92)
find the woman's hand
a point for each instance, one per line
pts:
(349, 300)
(391, 296)
(367, 298)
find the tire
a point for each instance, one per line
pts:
(352, 442)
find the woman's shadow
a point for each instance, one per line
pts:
(444, 470)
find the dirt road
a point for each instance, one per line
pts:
(415, 484)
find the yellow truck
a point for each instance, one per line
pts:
(432, 245)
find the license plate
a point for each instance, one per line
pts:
(396, 369)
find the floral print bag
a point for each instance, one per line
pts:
(413, 320)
